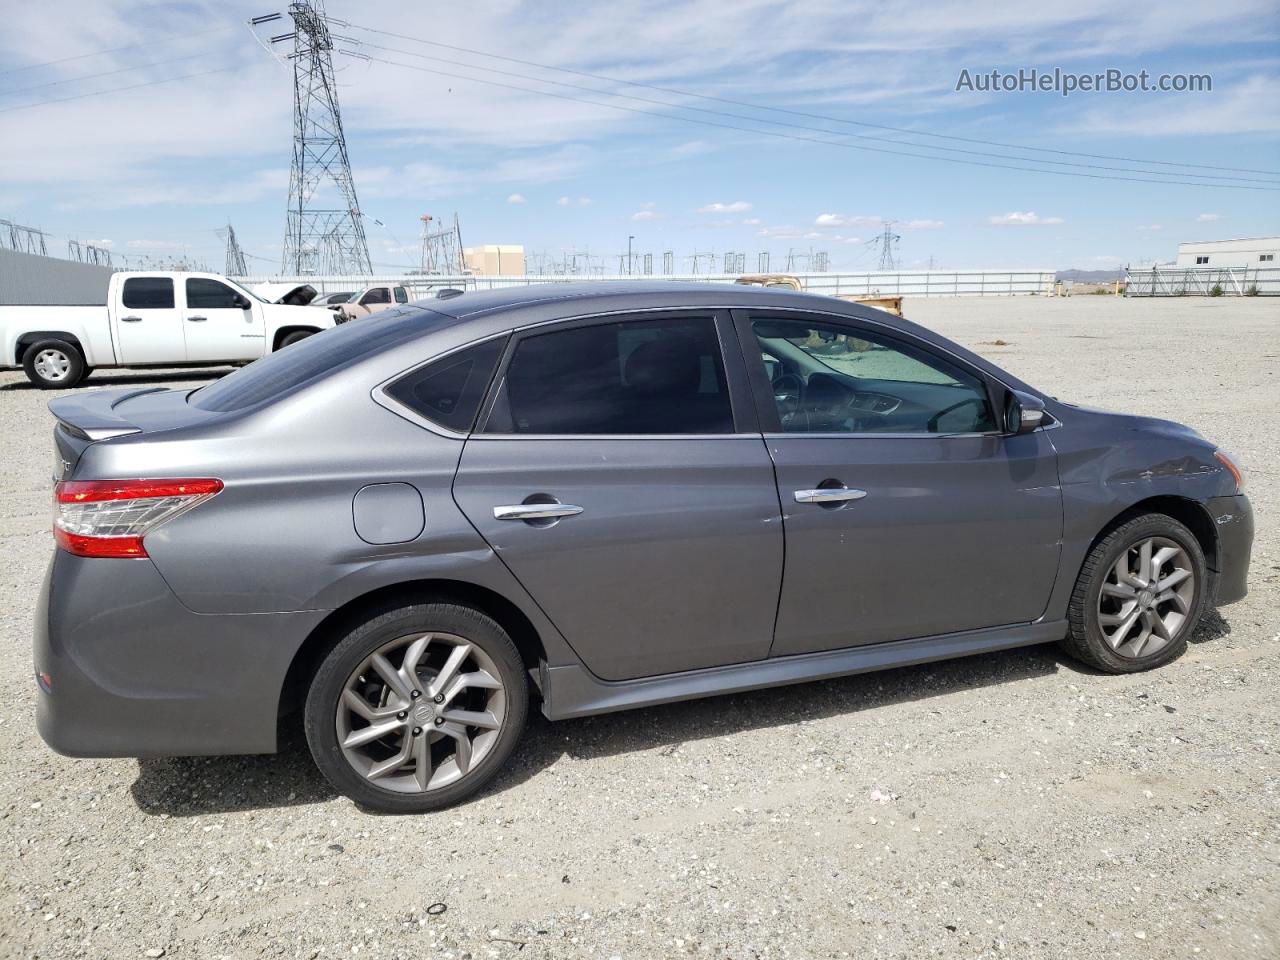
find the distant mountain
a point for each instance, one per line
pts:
(1091, 276)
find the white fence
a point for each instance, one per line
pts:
(1200, 281)
(908, 283)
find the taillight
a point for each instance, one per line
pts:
(1233, 468)
(109, 518)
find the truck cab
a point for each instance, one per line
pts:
(381, 296)
(153, 318)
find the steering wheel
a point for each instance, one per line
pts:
(970, 401)
(788, 392)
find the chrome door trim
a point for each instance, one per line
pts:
(535, 511)
(829, 495)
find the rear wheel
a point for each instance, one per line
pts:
(1140, 594)
(417, 708)
(54, 364)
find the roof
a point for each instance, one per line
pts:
(622, 294)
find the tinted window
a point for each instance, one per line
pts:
(278, 373)
(378, 295)
(633, 377)
(148, 293)
(207, 294)
(827, 379)
(449, 391)
(401, 295)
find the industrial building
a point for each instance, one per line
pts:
(1256, 252)
(494, 260)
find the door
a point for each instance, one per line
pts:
(373, 300)
(615, 476)
(220, 322)
(148, 322)
(907, 511)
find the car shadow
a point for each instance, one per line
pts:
(130, 379)
(195, 786)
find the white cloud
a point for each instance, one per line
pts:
(923, 225)
(752, 221)
(1150, 226)
(644, 215)
(738, 206)
(562, 202)
(1019, 219)
(515, 198)
(1208, 217)
(584, 201)
(843, 220)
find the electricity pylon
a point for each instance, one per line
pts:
(235, 265)
(324, 227)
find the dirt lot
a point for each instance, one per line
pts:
(1007, 805)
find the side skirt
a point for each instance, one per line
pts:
(573, 691)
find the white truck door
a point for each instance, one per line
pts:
(148, 322)
(221, 322)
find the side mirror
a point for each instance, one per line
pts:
(1022, 412)
(242, 303)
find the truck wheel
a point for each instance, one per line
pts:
(291, 338)
(54, 364)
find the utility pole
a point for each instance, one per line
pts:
(629, 239)
(235, 265)
(14, 236)
(887, 240)
(332, 231)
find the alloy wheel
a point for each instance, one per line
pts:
(52, 365)
(421, 712)
(1146, 597)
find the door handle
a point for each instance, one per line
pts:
(196, 319)
(535, 511)
(131, 319)
(829, 495)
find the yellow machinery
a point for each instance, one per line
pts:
(888, 304)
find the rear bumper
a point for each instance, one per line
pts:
(1233, 518)
(131, 672)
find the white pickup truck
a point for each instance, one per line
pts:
(152, 319)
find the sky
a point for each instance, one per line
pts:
(204, 136)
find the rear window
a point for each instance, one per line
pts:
(285, 370)
(448, 392)
(148, 293)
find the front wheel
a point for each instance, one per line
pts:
(1140, 594)
(417, 708)
(289, 339)
(54, 364)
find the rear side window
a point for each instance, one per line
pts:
(205, 294)
(378, 295)
(449, 391)
(402, 295)
(148, 293)
(278, 373)
(662, 376)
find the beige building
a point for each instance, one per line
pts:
(1256, 252)
(494, 260)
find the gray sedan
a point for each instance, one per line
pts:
(593, 497)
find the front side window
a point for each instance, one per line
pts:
(663, 376)
(448, 392)
(148, 293)
(377, 295)
(402, 295)
(826, 378)
(206, 294)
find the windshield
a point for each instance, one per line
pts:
(308, 360)
(245, 290)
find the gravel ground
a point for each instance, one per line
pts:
(1013, 804)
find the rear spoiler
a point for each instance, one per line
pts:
(92, 416)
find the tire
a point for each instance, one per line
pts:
(54, 364)
(348, 670)
(289, 339)
(1096, 620)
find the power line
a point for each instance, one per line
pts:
(798, 126)
(799, 113)
(105, 73)
(830, 143)
(128, 46)
(136, 86)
